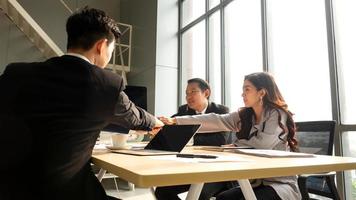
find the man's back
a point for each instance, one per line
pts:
(65, 102)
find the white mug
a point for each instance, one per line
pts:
(119, 140)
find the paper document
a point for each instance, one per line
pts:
(100, 148)
(221, 148)
(220, 158)
(272, 153)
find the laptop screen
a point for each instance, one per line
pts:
(173, 137)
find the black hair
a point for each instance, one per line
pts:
(273, 100)
(203, 85)
(87, 26)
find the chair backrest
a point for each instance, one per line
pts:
(316, 137)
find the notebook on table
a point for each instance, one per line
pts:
(222, 148)
(272, 153)
(171, 139)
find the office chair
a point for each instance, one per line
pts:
(317, 137)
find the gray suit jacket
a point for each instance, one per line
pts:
(262, 136)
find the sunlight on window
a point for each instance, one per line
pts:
(348, 142)
(298, 56)
(213, 3)
(345, 32)
(215, 57)
(243, 46)
(191, 10)
(193, 54)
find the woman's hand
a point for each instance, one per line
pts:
(168, 120)
(159, 124)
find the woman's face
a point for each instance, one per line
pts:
(250, 95)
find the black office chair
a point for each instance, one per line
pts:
(317, 137)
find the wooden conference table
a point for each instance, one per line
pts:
(150, 171)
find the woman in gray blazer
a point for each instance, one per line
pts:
(264, 123)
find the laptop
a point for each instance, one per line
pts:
(171, 139)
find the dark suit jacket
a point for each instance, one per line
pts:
(65, 102)
(207, 139)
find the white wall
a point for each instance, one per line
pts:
(154, 53)
(166, 98)
(154, 43)
(142, 15)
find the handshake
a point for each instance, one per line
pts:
(160, 122)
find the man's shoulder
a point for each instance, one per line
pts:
(21, 67)
(111, 77)
(108, 73)
(218, 108)
(183, 108)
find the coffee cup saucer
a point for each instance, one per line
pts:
(119, 147)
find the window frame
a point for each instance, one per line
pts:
(332, 59)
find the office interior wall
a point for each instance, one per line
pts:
(154, 51)
(51, 16)
(142, 15)
(154, 42)
(166, 58)
(14, 45)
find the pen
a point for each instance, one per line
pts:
(182, 155)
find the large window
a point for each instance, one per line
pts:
(349, 141)
(298, 56)
(192, 9)
(345, 32)
(243, 46)
(307, 45)
(193, 54)
(204, 56)
(215, 56)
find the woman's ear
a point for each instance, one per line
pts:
(263, 92)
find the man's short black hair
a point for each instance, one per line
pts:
(87, 26)
(203, 85)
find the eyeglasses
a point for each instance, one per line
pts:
(192, 92)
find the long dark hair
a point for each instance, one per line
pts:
(273, 100)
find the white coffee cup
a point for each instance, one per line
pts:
(119, 140)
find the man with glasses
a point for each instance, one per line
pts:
(197, 97)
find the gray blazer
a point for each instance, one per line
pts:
(264, 135)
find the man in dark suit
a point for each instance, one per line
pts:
(63, 103)
(197, 97)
